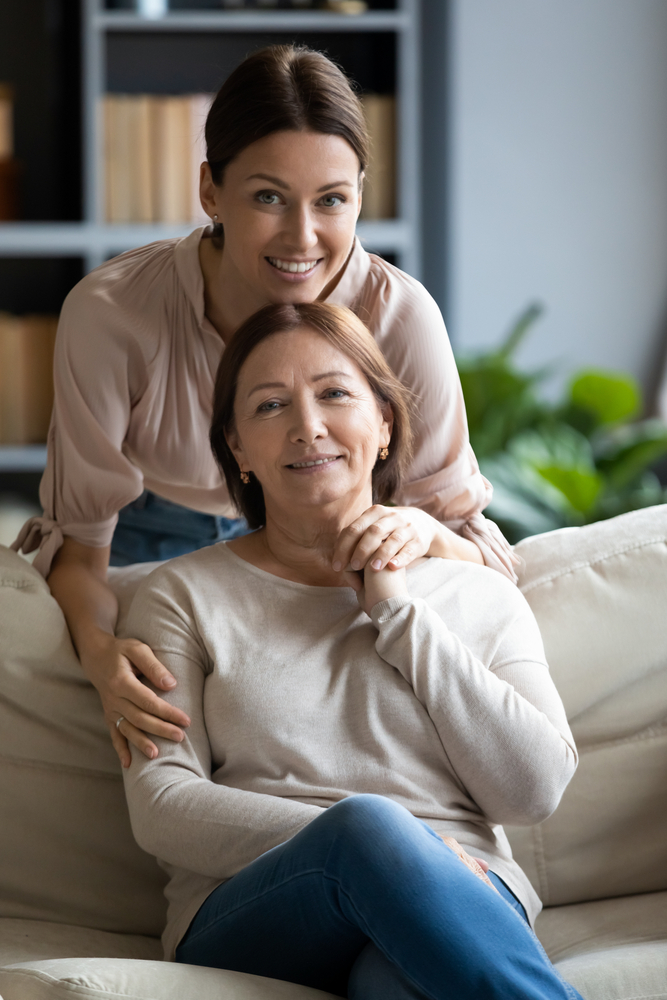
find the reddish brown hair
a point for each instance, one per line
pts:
(279, 88)
(348, 334)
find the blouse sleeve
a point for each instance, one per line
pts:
(444, 477)
(87, 478)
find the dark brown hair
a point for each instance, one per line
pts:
(279, 88)
(348, 334)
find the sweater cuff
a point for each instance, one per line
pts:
(383, 611)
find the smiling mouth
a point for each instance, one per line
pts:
(292, 266)
(316, 461)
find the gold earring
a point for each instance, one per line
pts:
(383, 453)
(245, 478)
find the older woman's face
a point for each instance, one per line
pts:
(307, 423)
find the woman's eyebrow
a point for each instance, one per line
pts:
(281, 385)
(270, 179)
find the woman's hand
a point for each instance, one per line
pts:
(113, 669)
(373, 586)
(477, 866)
(393, 537)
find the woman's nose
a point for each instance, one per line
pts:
(300, 233)
(307, 425)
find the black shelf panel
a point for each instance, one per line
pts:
(37, 284)
(171, 63)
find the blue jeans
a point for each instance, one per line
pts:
(152, 528)
(368, 903)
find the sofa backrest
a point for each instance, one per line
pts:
(66, 849)
(599, 594)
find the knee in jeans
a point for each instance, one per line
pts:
(368, 814)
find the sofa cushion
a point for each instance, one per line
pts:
(599, 594)
(106, 979)
(67, 854)
(36, 940)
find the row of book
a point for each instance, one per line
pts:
(26, 377)
(154, 146)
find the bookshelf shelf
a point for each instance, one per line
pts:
(22, 458)
(259, 21)
(97, 242)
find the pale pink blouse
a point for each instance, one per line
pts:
(134, 369)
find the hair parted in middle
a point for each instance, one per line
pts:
(345, 331)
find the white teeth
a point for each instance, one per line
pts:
(292, 266)
(307, 465)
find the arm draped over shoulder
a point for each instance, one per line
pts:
(444, 478)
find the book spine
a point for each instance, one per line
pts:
(379, 197)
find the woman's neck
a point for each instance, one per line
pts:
(299, 548)
(228, 302)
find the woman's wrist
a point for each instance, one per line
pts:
(447, 544)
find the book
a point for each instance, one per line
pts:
(153, 149)
(26, 377)
(379, 198)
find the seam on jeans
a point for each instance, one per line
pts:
(363, 927)
(246, 902)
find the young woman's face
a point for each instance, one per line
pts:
(307, 423)
(289, 204)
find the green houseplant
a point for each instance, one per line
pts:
(583, 459)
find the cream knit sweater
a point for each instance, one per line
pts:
(442, 702)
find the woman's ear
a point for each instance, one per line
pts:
(362, 177)
(207, 190)
(387, 425)
(236, 449)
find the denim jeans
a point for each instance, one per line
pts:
(152, 528)
(367, 902)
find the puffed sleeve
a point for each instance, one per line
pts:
(97, 371)
(444, 477)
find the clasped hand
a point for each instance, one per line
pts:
(375, 549)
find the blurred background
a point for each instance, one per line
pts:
(519, 170)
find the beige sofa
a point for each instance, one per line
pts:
(81, 906)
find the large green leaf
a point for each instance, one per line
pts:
(609, 396)
(624, 455)
(581, 487)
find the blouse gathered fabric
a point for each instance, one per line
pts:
(134, 371)
(441, 700)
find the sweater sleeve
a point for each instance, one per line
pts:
(180, 812)
(444, 477)
(503, 728)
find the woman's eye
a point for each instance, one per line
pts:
(335, 394)
(332, 200)
(268, 197)
(269, 406)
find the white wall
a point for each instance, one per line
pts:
(558, 160)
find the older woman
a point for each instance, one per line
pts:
(130, 477)
(343, 724)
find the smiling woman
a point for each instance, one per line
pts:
(130, 476)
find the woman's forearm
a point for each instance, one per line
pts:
(78, 583)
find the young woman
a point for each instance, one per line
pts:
(140, 340)
(343, 724)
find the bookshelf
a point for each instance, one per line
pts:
(107, 34)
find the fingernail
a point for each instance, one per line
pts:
(151, 754)
(169, 682)
(337, 567)
(355, 564)
(376, 564)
